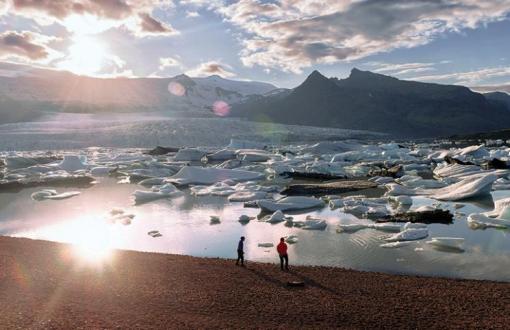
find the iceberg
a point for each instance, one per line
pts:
(166, 191)
(208, 175)
(52, 194)
(189, 155)
(481, 221)
(409, 235)
(247, 196)
(397, 244)
(470, 187)
(447, 242)
(292, 203)
(314, 224)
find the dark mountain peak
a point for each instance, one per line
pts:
(315, 79)
(360, 74)
(184, 80)
(316, 75)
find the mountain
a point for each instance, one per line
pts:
(501, 97)
(26, 92)
(376, 102)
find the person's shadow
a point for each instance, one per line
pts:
(305, 279)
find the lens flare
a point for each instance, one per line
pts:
(176, 89)
(221, 108)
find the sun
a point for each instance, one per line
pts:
(87, 56)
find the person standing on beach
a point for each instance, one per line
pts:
(240, 252)
(282, 252)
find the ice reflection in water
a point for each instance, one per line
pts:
(185, 226)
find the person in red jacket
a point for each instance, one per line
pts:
(282, 252)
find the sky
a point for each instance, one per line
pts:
(463, 42)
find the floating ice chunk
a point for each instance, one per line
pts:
(425, 208)
(101, 170)
(222, 155)
(205, 176)
(217, 189)
(394, 189)
(424, 183)
(414, 225)
(120, 216)
(152, 182)
(382, 180)
(388, 226)
(409, 235)
(52, 194)
(189, 154)
(355, 209)
(447, 242)
(166, 191)
(475, 151)
(478, 220)
(277, 216)
(499, 206)
(336, 203)
(291, 239)
(397, 244)
(402, 200)
(246, 196)
(254, 155)
(314, 223)
(214, 220)
(470, 187)
(351, 227)
(456, 170)
(265, 245)
(290, 203)
(72, 163)
(245, 219)
(154, 233)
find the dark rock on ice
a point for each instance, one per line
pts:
(433, 216)
(495, 164)
(161, 151)
(330, 188)
(81, 181)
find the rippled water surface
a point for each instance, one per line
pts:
(185, 228)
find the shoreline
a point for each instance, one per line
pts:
(45, 286)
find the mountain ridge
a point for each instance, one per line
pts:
(372, 101)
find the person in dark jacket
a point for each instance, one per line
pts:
(282, 253)
(240, 252)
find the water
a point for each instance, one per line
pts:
(184, 224)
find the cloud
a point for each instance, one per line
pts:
(468, 77)
(294, 34)
(27, 46)
(149, 26)
(397, 69)
(168, 62)
(211, 68)
(94, 16)
(192, 14)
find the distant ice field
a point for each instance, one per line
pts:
(70, 131)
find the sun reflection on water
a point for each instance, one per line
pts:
(92, 238)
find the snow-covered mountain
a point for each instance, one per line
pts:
(27, 91)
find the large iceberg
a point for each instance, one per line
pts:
(208, 175)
